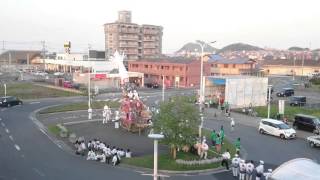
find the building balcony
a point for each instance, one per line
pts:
(128, 45)
(126, 38)
(130, 52)
(150, 32)
(149, 46)
(149, 39)
(133, 31)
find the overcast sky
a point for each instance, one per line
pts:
(265, 23)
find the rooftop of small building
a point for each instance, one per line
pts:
(179, 60)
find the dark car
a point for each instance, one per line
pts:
(286, 92)
(298, 101)
(9, 101)
(306, 122)
(152, 85)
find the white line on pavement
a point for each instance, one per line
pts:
(38, 172)
(34, 103)
(2, 124)
(0, 119)
(7, 130)
(10, 137)
(17, 147)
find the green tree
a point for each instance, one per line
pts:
(179, 121)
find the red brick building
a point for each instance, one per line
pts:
(177, 72)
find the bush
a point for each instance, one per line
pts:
(315, 80)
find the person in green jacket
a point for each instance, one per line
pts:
(238, 145)
(213, 137)
(221, 134)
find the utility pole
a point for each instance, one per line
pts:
(43, 49)
(163, 88)
(302, 64)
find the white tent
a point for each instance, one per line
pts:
(297, 169)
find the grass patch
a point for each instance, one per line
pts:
(31, 91)
(80, 106)
(165, 162)
(54, 129)
(289, 111)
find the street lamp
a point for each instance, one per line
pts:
(5, 90)
(201, 89)
(201, 125)
(89, 94)
(155, 137)
(269, 96)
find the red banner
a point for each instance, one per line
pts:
(100, 76)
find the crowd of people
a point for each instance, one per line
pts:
(242, 169)
(99, 151)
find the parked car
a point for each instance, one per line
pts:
(314, 141)
(276, 128)
(8, 101)
(307, 122)
(67, 84)
(286, 92)
(298, 101)
(152, 85)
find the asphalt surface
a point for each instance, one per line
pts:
(28, 153)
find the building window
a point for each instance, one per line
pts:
(181, 68)
(216, 65)
(166, 67)
(225, 65)
(150, 66)
(233, 65)
(145, 75)
(186, 68)
(145, 66)
(161, 67)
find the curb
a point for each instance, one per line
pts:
(170, 172)
(138, 169)
(45, 131)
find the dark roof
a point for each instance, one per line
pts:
(291, 62)
(180, 60)
(232, 61)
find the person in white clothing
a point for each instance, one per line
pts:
(225, 159)
(128, 153)
(267, 174)
(235, 165)
(114, 150)
(91, 155)
(260, 170)
(115, 160)
(232, 124)
(104, 114)
(249, 170)
(242, 169)
(204, 149)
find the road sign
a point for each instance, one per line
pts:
(281, 106)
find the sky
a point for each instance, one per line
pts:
(265, 23)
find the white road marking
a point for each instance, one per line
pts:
(38, 172)
(10, 137)
(3, 125)
(17, 147)
(0, 119)
(34, 103)
(7, 130)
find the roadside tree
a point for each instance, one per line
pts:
(179, 122)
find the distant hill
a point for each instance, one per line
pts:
(240, 47)
(193, 47)
(295, 48)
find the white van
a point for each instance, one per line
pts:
(276, 128)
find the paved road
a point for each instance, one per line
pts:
(27, 153)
